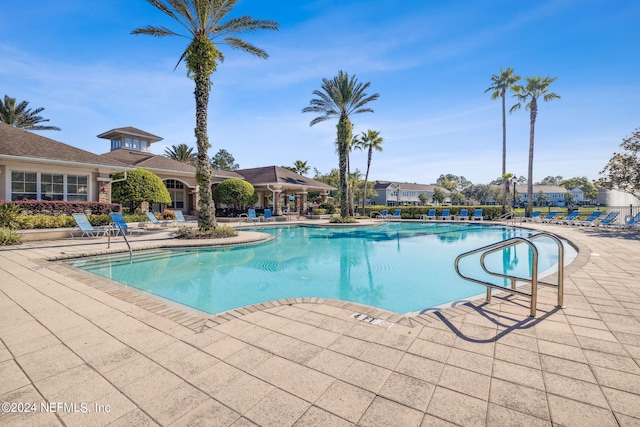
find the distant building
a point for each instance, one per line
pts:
(393, 193)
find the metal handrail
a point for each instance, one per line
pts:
(124, 235)
(514, 241)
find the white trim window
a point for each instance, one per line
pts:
(49, 186)
(176, 191)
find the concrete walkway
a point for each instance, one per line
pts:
(77, 350)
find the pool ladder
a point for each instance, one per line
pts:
(514, 241)
(113, 227)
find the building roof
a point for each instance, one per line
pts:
(407, 186)
(130, 131)
(22, 145)
(543, 188)
(275, 175)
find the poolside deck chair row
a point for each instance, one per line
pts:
(118, 224)
(446, 215)
(251, 216)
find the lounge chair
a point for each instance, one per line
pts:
(631, 223)
(430, 215)
(384, 214)
(267, 215)
(250, 215)
(396, 214)
(549, 218)
(155, 221)
(607, 220)
(85, 226)
(589, 220)
(179, 216)
(534, 216)
(464, 214)
(477, 215)
(569, 218)
(446, 215)
(120, 225)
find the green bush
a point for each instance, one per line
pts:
(340, 220)
(31, 222)
(8, 214)
(414, 212)
(9, 237)
(219, 231)
(320, 211)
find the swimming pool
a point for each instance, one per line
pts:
(402, 267)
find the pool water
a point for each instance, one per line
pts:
(402, 267)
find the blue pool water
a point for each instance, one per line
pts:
(402, 267)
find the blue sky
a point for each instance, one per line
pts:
(430, 61)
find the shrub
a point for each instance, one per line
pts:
(340, 220)
(9, 237)
(219, 231)
(168, 215)
(320, 211)
(8, 214)
(31, 222)
(60, 207)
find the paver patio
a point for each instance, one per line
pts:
(79, 350)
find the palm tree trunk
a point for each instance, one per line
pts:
(366, 179)
(206, 207)
(505, 183)
(344, 135)
(532, 130)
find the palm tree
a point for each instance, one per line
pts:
(181, 153)
(203, 20)
(369, 141)
(22, 117)
(300, 167)
(341, 97)
(500, 84)
(535, 88)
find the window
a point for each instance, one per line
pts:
(48, 186)
(128, 142)
(51, 186)
(176, 191)
(24, 186)
(115, 144)
(77, 188)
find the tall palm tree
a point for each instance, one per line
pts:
(529, 94)
(369, 141)
(500, 84)
(300, 167)
(203, 21)
(341, 97)
(182, 153)
(22, 117)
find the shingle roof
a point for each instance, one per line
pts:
(276, 175)
(147, 160)
(130, 131)
(16, 142)
(380, 185)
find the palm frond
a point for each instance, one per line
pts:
(237, 43)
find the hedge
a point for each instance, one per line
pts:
(59, 207)
(414, 212)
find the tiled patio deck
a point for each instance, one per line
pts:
(101, 355)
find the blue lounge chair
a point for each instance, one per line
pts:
(464, 214)
(607, 220)
(396, 214)
(589, 220)
(85, 226)
(534, 216)
(430, 215)
(569, 218)
(155, 221)
(548, 218)
(477, 215)
(120, 225)
(446, 215)
(179, 216)
(250, 215)
(267, 215)
(631, 223)
(384, 214)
